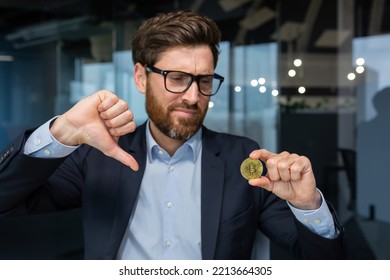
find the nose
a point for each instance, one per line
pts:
(191, 95)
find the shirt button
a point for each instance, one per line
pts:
(168, 243)
(171, 168)
(305, 220)
(169, 204)
(317, 221)
(47, 152)
(37, 142)
(160, 152)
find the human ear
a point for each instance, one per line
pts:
(140, 78)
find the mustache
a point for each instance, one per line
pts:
(185, 106)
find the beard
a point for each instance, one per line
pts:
(179, 129)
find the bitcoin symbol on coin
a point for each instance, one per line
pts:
(251, 168)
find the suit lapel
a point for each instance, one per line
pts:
(213, 174)
(130, 183)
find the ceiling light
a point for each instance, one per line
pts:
(257, 18)
(292, 73)
(230, 5)
(6, 58)
(297, 62)
(359, 69)
(289, 31)
(351, 76)
(332, 38)
(261, 81)
(301, 90)
(360, 61)
(262, 89)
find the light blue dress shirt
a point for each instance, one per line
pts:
(166, 222)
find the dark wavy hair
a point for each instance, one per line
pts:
(165, 30)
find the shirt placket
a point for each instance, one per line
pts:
(169, 211)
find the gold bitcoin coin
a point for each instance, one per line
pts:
(251, 168)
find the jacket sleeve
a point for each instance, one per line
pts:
(25, 181)
(280, 225)
(314, 246)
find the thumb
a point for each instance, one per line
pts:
(262, 182)
(119, 154)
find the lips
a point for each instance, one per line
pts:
(186, 111)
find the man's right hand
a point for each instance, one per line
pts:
(97, 120)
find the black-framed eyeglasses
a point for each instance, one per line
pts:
(179, 82)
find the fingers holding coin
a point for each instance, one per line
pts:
(280, 166)
(290, 176)
(284, 167)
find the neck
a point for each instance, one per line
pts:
(170, 145)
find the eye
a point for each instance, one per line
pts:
(206, 80)
(178, 77)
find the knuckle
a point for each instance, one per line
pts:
(129, 115)
(132, 126)
(295, 169)
(108, 123)
(123, 105)
(302, 160)
(271, 162)
(283, 165)
(114, 132)
(285, 153)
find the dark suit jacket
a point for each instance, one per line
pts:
(231, 210)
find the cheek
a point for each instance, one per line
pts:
(161, 96)
(204, 102)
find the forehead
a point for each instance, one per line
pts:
(186, 57)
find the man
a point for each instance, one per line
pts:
(183, 196)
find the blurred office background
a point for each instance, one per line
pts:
(307, 76)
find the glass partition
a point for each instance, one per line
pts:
(371, 60)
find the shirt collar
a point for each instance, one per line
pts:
(192, 146)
